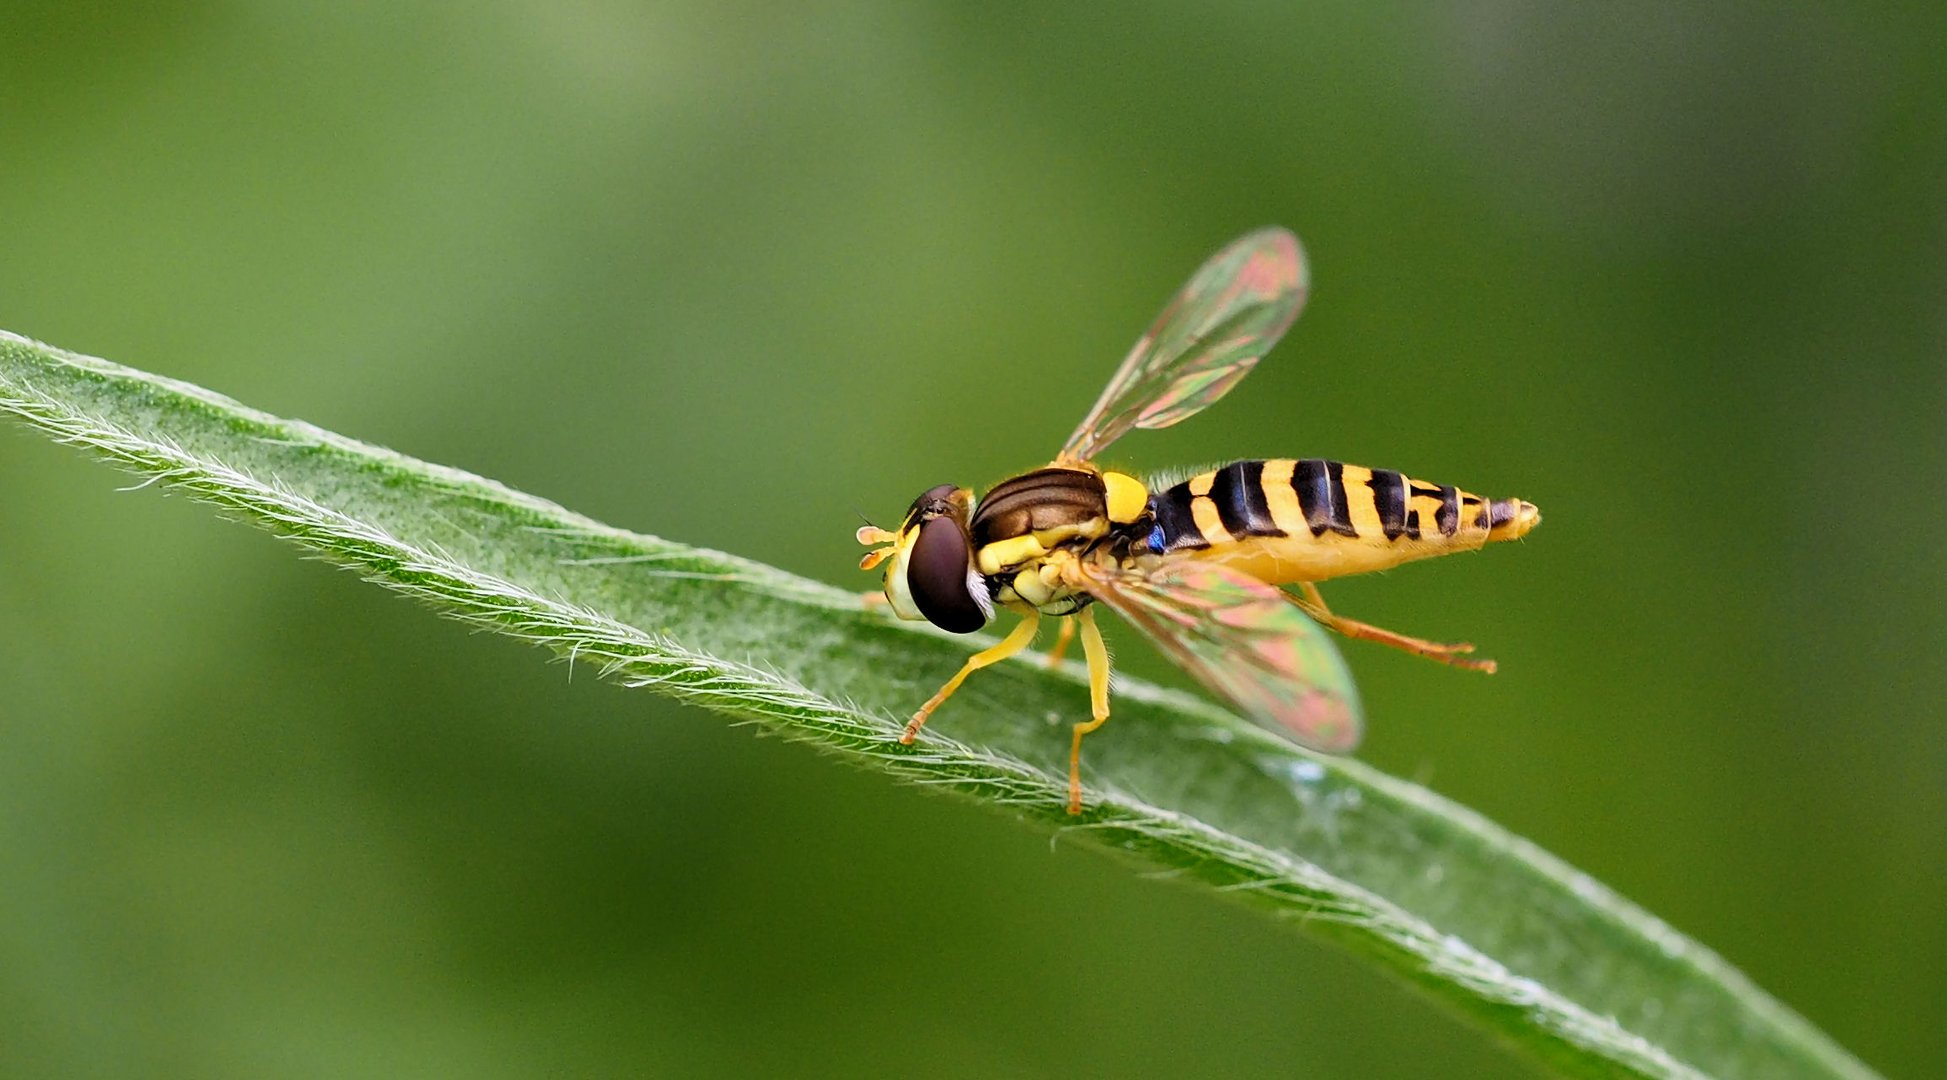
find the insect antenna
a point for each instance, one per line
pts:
(871, 535)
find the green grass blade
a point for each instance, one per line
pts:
(1552, 961)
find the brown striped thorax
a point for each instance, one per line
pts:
(1198, 566)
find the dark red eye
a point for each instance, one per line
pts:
(937, 571)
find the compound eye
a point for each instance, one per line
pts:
(939, 572)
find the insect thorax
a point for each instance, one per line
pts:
(1024, 528)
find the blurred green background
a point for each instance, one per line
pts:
(726, 273)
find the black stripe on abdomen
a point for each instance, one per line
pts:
(1238, 491)
(1176, 526)
(1389, 499)
(1320, 487)
(1447, 518)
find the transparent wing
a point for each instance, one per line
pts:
(1209, 336)
(1244, 640)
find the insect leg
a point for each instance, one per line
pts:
(1014, 642)
(1063, 636)
(1098, 699)
(1314, 605)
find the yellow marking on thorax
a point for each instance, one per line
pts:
(1046, 583)
(1003, 553)
(1087, 530)
(1126, 497)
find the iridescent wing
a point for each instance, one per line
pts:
(1209, 336)
(1244, 640)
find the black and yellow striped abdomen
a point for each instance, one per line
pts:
(1289, 520)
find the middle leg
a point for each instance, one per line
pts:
(1098, 699)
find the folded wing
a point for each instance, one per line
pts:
(1244, 640)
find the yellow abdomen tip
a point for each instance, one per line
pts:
(1510, 519)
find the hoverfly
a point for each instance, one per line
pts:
(1196, 567)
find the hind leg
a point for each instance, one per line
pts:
(1314, 605)
(1064, 634)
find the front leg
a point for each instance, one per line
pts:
(1022, 636)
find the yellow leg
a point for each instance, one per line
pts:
(1022, 636)
(1314, 605)
(1064, 635)
(1098, 699)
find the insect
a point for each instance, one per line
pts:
(1195, 567)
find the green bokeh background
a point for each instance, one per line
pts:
(726, 273)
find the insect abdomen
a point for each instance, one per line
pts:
(1307, 520)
